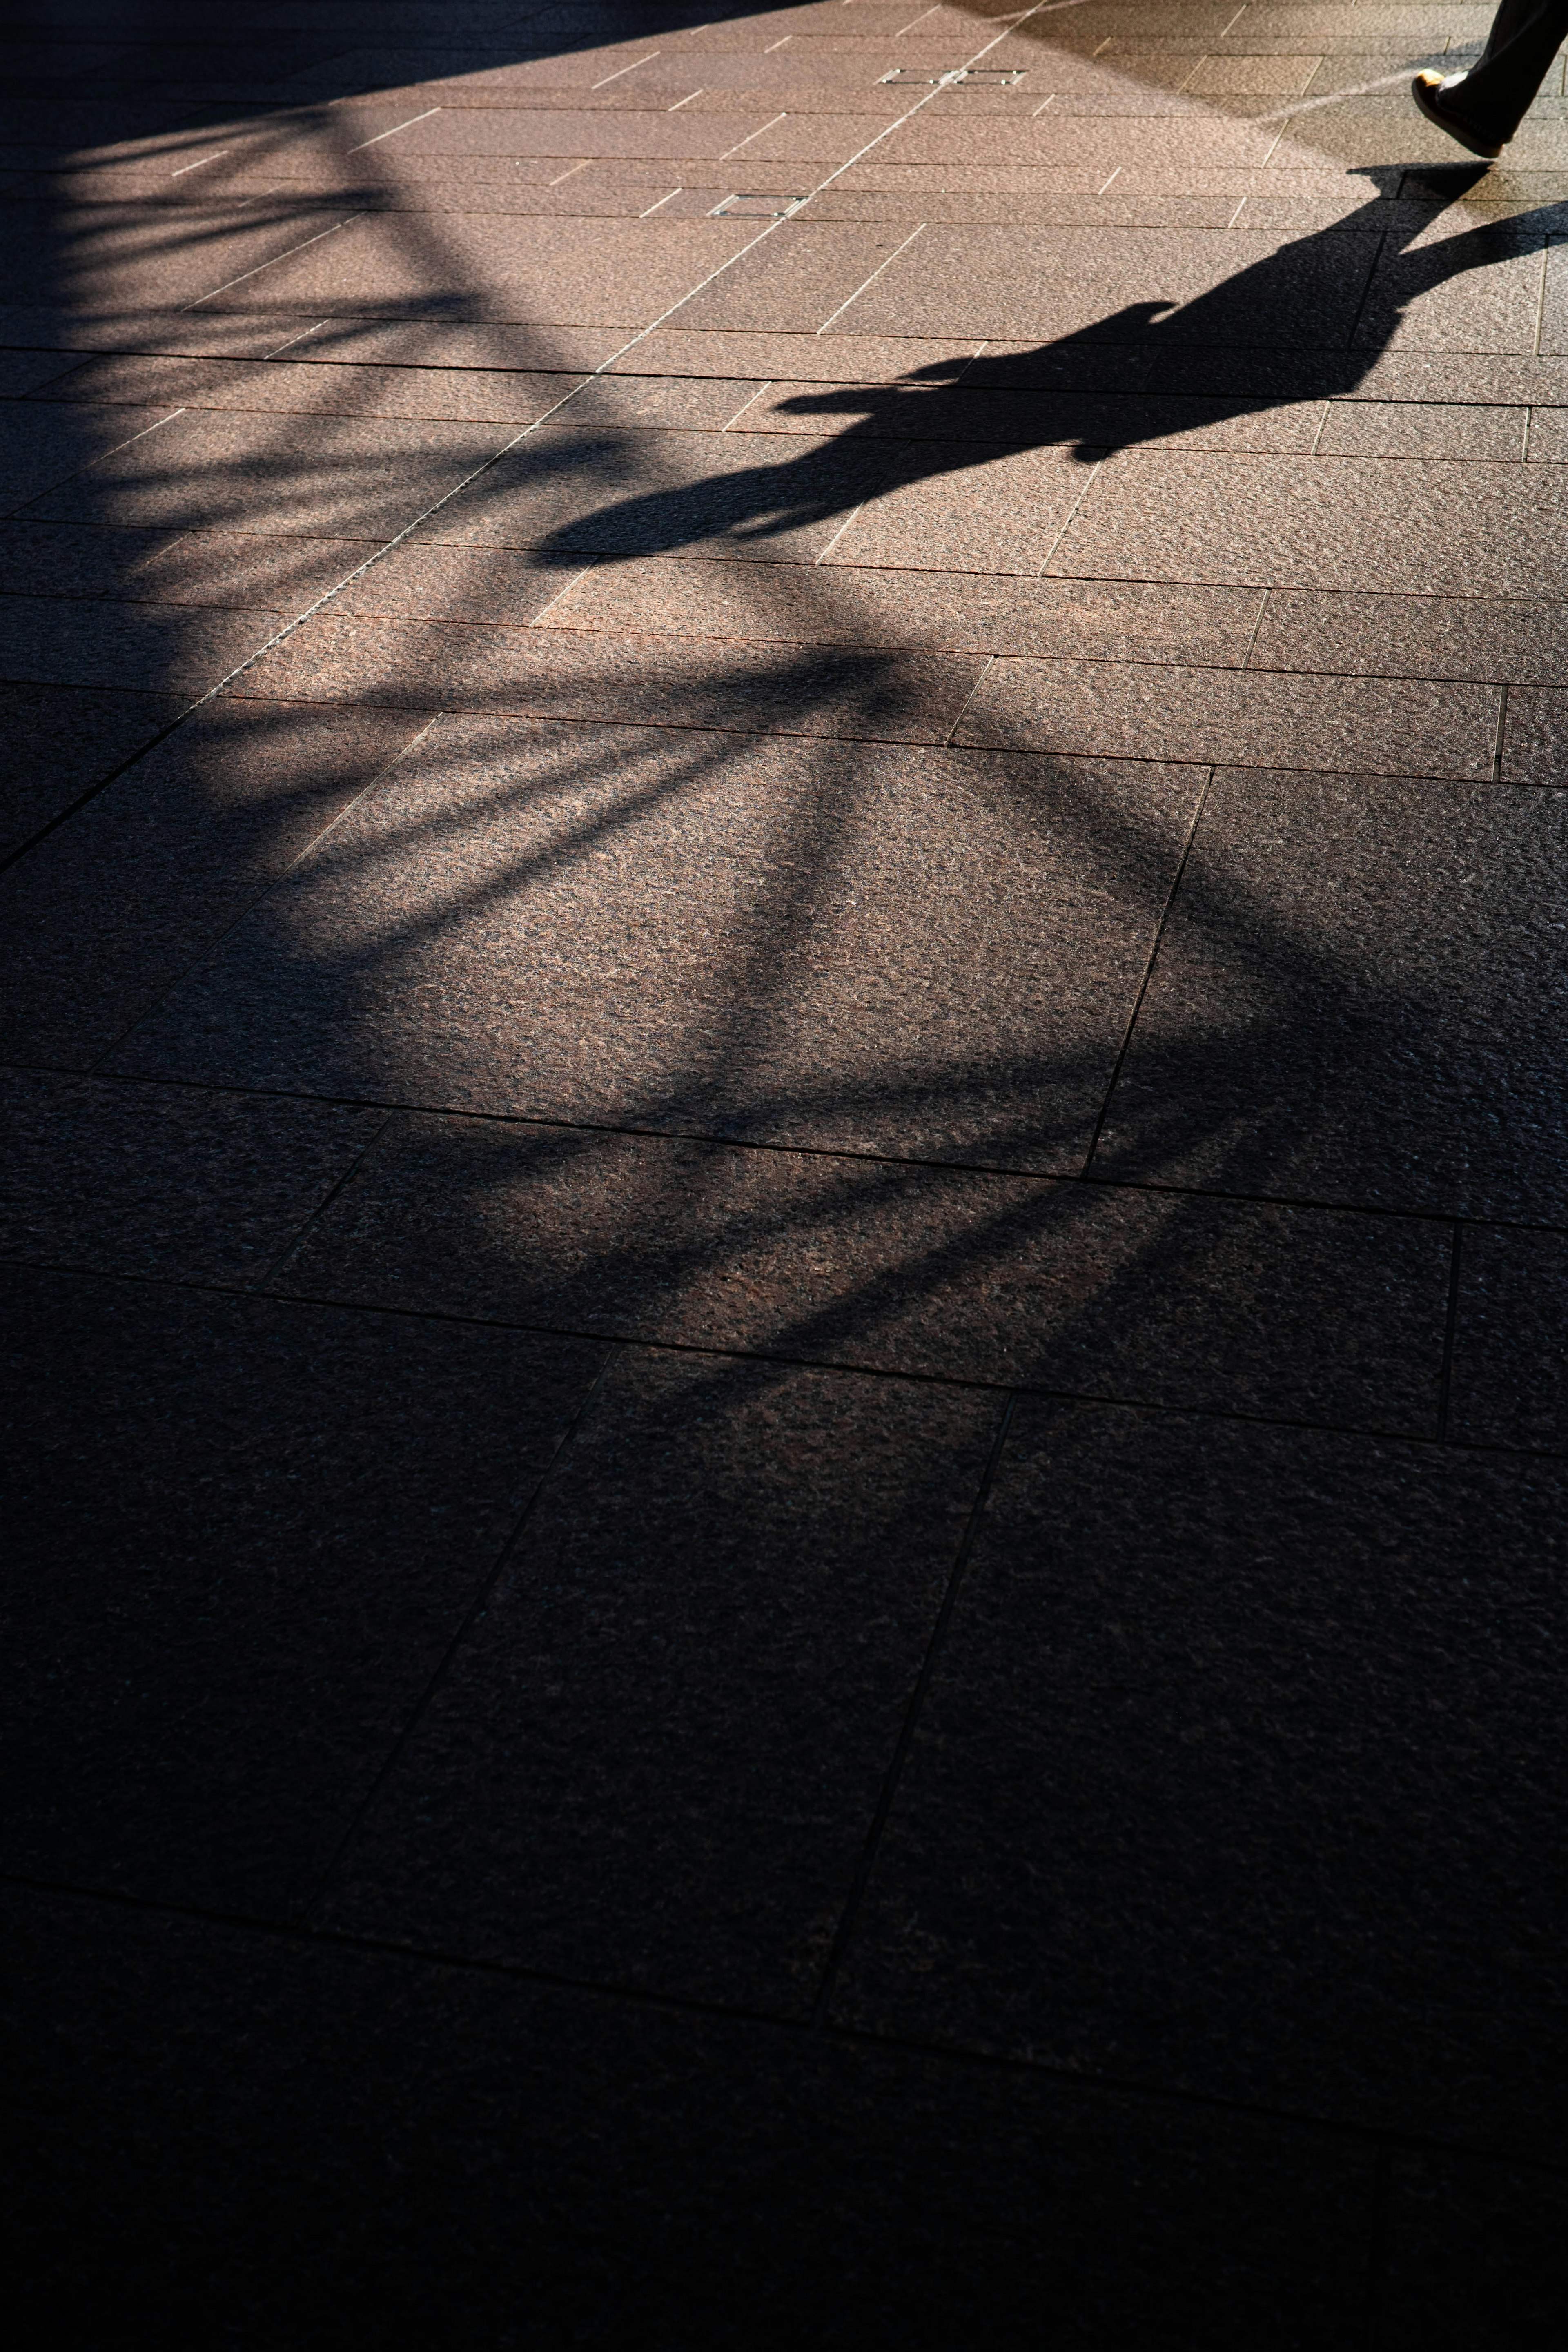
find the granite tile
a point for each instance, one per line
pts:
(1232, 285)
(1118, 711)
(48, 444)
(61, 740)
(439, 2147)
(165, 1180)
(801, 355)
(427, 580)
(501, 345)
(949, 612)
(1298, 1712)
(1535, 736)
(796, 280)
(697, 1830)
(623, 402)
(344, 477)
(811, 141)
(1516, 639)
(1474, 2248)
(1553, 301)
(1487, 297)
(251, 571)
(100, 919)
(126, 255)
(1510, 1382)
(846, 946)
(503, 268)
(920, 408)
(58, 641)
(947, 1273)
(1064, 141)
(24, 372)
(578, 494)
(253, 1529)
(975, 507)
(1548, 441)
(320, 387)
(564, 131)
(1367, 428)
(1084, 209)
(1242, 77)
(1356, 999)
(52, 559)
(1324, 522)
(875, 694)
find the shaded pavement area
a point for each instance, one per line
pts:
(787, 1222)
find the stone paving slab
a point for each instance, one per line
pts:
(783, 971)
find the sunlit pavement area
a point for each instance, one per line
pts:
(788, 1219)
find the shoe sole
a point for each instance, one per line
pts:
(1487, 149)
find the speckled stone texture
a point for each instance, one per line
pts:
(783, 967)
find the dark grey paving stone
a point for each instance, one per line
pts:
(1475, 2253)
(656, 1757)
(311, 477)
(442, 2149)
(1224, 286)
(880, 694)
(1241, 1773)
(57, 741)
(1478, 291)
(1510, 1384)
(57, 641)
(1357, 998)
(1337, 523)
(103, 917)
(49, 559)
(577, 494)
(1086, 1289)
(24, 371)
(1241, 718)
(858, 947)
(165, 1180)
(1535, 735)
(1463, 637)
(244, 1534)
(48, 444)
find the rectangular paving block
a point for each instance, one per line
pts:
(167, 1179)
(850, 946)
(1320, 522)
(347, 477)
(842, 603)
(1509, 1380)
(253, 1502)
(624, 2140)
(1293, 1695)
(875, 694)
(1516, 639)
(105, 914)
(59, 742)
(1356, 999)
(1125, 711)
(1079, 1288)
(609, 1838)
(578, 494)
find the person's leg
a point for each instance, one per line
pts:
(1492, 97)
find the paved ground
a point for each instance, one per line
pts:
(784, 1048)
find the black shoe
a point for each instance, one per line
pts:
(1426, 90)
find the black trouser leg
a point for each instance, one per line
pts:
(1526, 35)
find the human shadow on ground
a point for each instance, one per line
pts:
(1306, 323)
